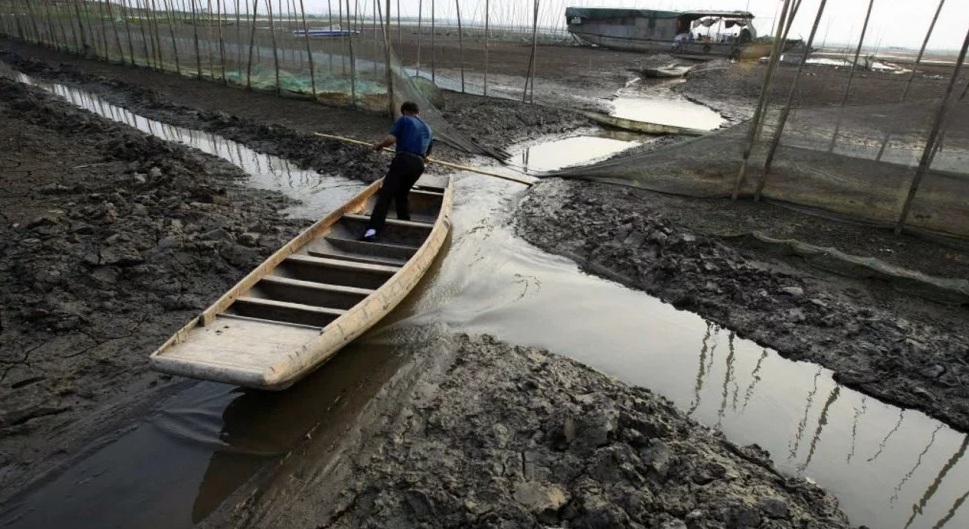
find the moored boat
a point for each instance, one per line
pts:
(313, 296)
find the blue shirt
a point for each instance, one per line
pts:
(413, 135)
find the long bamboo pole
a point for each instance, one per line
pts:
(352, 141)
(127, 26)
(208, 36)
(238, 43)
(790, 101)
(911, 77)
(433, 49)
(486, 39)
(272, 32)
(939, 123)
(775, 58)
(309, 51)
(851, 75)
(392, 107)
(457, 5)
(198, 49)
(252, 44)
(170, 15)
(155, 34)
(353, 65)
(117, 35)
(218, 12)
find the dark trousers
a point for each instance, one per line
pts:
(402, 175)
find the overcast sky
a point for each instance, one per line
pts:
(893, 23)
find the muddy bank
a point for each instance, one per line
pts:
(494, 435)
(904, 351)
(111, 240)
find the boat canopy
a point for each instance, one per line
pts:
(606, 13)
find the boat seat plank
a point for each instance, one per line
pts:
(380, 249)
(342, 264)
(394, 222)
(284, 311)
(356, 258)
(312, 285)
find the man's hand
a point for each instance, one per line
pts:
(377, 146)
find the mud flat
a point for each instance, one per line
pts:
(111, 241)
(901, 349)
(496, 435)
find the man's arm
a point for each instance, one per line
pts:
(386, 142)
(430, 147)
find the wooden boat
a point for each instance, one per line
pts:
(313, 296)
(670, 71)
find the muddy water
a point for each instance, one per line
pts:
(890, 468)
(659, 105)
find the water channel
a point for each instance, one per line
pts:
(889, 468)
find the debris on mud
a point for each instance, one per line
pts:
(111, 240)
(917, 363)
(518, 437)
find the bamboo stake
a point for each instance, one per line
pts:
(431, 160)
(127, 25)
(353, 65)
(457, 5)
(487, 38)
(433, 49)
(80, 26)
(309, 51)
(343, 40)
(198, 50)
(775, 58)
(144, 38)
(37, 37)
(252, 44)
(908, 84)
(531, 60)
(70, 22)
(208, 36)
(376, 10)
(400, 34)
(104, 35)
(420, 31)
(171, 30)
(389, 73)
(60, 23)
(218, 11)
(19, 23)
(117, 35)
(238, 6)
(939, 122)
(787, 107)
(272, 32)
(851, 75)
(155, 36)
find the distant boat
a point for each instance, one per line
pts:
(680, 34)
(332, 31)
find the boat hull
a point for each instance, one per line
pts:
(273, 355)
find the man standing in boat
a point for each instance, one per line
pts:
(414, 141)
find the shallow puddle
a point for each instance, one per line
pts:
(577, 150)
(889, 468)
(639, 104)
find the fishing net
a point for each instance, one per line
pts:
(856, 161)
(340, 60)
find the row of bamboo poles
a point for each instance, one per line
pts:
(102, 28)
(939, 121)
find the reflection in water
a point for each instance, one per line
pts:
(918, 463)
(754, 379)
(859, 411)
(557, 154)
(320, 194)
(881, 446)
(801, 426)
(701, 371)
(727, 378)
(937, 482)
(822, 421)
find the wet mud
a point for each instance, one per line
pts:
(503, 436)
(111, 241)
(902, 350)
